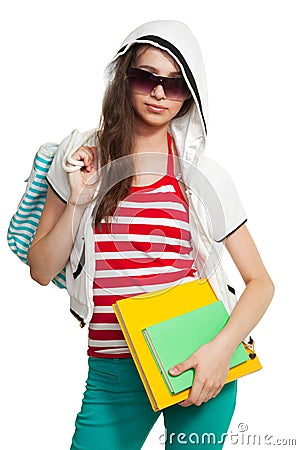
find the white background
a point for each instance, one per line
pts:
(53, 56)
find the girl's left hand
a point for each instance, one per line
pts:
(211, 363)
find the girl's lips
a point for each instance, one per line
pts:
(155, 108)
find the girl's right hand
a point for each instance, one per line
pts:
(84, 181)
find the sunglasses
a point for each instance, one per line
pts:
(143, 82)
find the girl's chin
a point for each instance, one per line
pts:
(152, 120)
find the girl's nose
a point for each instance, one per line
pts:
(158, 92)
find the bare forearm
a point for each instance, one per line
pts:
(49, 255)
(247, 313)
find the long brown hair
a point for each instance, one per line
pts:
(115, 137)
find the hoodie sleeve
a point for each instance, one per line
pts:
(221, 199)
(57, 177)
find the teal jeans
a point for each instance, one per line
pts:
(116, 413)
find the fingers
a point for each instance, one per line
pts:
(206, 384)
(89, 157)
(209, 392)
(202, 392)
(198, 387)
(183, 366)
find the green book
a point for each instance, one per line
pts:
(174, 340)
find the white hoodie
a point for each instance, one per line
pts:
(214, 205)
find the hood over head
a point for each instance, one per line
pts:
(189, 131)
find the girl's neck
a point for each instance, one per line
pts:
(151, 139)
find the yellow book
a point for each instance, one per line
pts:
(137, 313)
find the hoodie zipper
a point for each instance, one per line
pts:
(192, 208)
(77, 316)
(88, 233)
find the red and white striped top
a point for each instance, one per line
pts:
(146, 247)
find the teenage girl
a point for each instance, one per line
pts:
(155, 102)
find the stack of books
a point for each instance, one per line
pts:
(165, 327)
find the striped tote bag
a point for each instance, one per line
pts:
(24, 222)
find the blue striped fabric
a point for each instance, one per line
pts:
(24, 222)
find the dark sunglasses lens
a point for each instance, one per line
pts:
(143, 82)
(175, 88)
